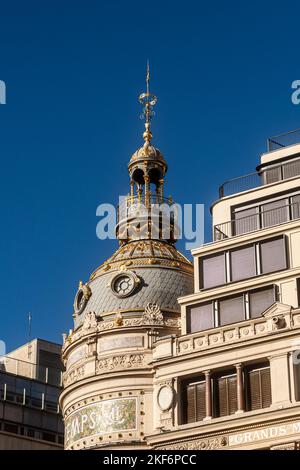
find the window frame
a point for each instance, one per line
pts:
(228, 261)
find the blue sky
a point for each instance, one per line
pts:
(73, 70)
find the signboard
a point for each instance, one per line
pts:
(262, 434)
(100, 418)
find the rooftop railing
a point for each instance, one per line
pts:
(283, 140)
(261, 220)
(272, 174)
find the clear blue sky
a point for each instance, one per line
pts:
(222, 71)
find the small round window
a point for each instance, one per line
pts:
(124, 284)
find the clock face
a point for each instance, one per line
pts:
(124, 284)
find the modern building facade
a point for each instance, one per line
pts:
(30, 384)
(169, 355)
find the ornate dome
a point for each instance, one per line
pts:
(138, 273)
(147, 152)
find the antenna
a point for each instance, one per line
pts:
(29, 326)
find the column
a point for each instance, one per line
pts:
(240, 388)
(147, 188)
(131, 190)
(161, 189)
(208, 397)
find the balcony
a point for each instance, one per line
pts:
(258, 221)
(269, 175)
(283, 140)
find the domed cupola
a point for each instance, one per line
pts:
(129, 301)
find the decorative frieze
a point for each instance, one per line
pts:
(74, 375)
(126, 361)
(198, 444)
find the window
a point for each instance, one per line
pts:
(231, 310)
(243, 263)
(291, 169)
(275, 213)
(194, 403)
(200, 317)
(225, 395)
(213, 271)
(246, 221)
(273, 175)
(258, 388)
(273, 255)
(9, 427)
(295, 205)
(264, 214)
(260, 300)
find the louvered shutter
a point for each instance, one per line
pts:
(265, 378)
(227, 395)
(195, 402)
(259, 389)
(200, 401)
(191, 404)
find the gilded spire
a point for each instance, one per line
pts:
(148, 100)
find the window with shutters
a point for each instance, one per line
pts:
(297, 376)
(273, 255)
(194, 401)
(225, 395)
(260, 300)
(200, 317)
(231, 310)
(258, 388)
(246, 220)
(213, 272)
(275, 213)
(243, 263)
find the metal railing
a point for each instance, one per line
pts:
(48, 375)
(131, 204)
(266, 176)
(262, 219)
(283, 140)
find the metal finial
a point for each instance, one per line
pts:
(148, 100)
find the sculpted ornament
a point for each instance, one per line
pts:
(83, 294)
(152, 315)
(90, 321)
(121, 362)
(204, 444)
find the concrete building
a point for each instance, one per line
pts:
(166, 355)
(30, 384)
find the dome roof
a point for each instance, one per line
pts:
(162, 274)
(147, 152)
